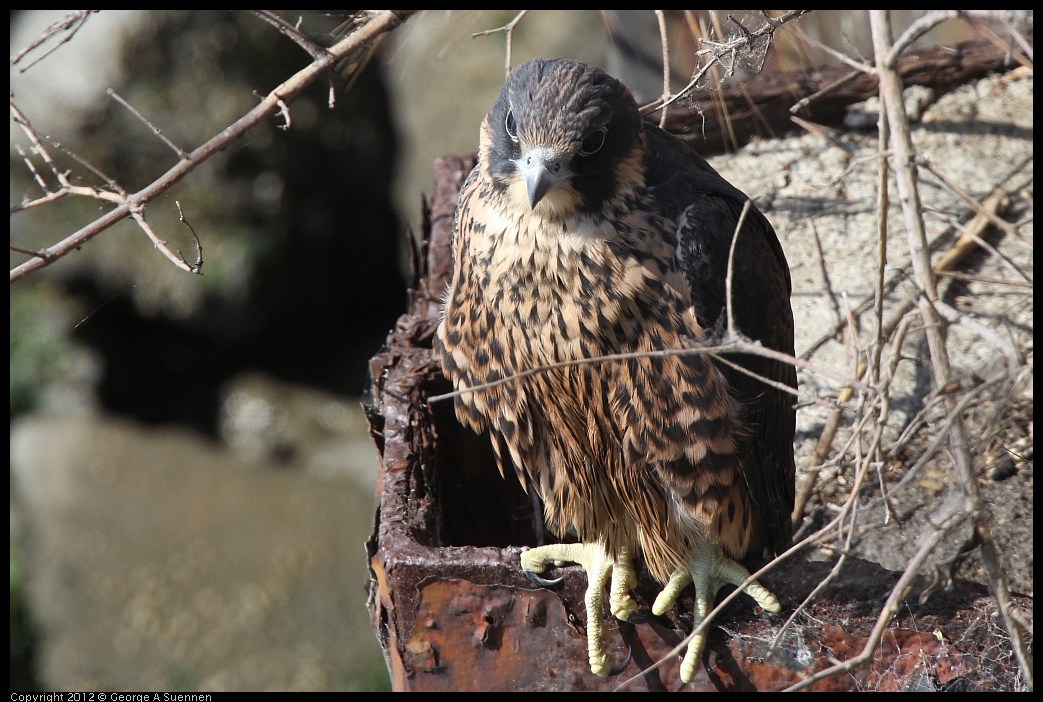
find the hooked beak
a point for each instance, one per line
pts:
(543, 169)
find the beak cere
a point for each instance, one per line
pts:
(543, 169)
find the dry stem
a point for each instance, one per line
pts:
(509, 29)
(905, 167)
(379, 24)
(72, 22)
(717, 52)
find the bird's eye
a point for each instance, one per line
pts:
(512, 128)
(593, 142)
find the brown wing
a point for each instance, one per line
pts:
(681, 180)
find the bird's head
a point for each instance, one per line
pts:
(563, 137)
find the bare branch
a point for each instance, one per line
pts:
(968, 234)
(820, 587)
(916, 30)
(994, 203)
(293, 32)
(956, 317)
(73, 21)
(943, 431)
(38, 146)
(17, 249)
(661, 18)
(737, 345)
(890, 608)
(181, 153)
(950, 258)
(970, 201)
(977, 278)
(998, 41)
(801, 104)
(284, 112)
(733, 332)
(196, 267)
(704, 625)
(65, 188)
(373, 28)
(509, 29)
(767, 381)
(86, 164)
(843, 58)
(138, 213)
(905, 168)
(883, 205)
(719, 50)
(32, 169)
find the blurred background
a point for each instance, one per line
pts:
(192, 478)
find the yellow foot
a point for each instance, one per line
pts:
(709, 569)
(599, 567)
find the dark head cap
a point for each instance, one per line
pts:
(563, 123)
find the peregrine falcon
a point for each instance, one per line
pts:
(585, 231)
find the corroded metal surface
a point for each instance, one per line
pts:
(452, 610)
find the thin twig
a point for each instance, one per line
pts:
(32, 169)
(284, 112)
(824, 132)
(718, 50)
(905, 164)
(824, 272)
(804, 102)
(943, 430)
(73, 21)
(956, 317)
(181, 153)
(138, 213)
(196, 267)
(735, 346)
(376, 26)
(883, 206)
(509, 29)
(818, 588)
(843, 58)
(972, 232)
(890, 607)
(38, 146)
(661, 18)
(86, 164)
(998, 41)
(767, 381)
(768, 567)
(65, 187)
(950, 258)
(970, 201)
(27, 252)
(916, 30)
(968, 234)
(732, 329)
(293, 32)
(979, 278)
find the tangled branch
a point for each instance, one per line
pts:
(133, 204)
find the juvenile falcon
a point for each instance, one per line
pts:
(584, 231)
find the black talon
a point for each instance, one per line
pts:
(623, 666)
(542, 582)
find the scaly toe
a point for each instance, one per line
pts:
(624, 610)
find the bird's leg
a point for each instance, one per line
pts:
(599, 568)
(709, 568)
